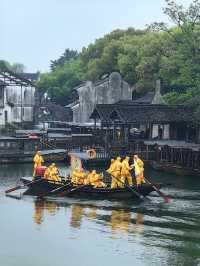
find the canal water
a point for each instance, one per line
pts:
(100, 233)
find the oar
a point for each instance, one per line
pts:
(14, 188)
(53, 191)
(165, 197)
(64, 193)
(140, 196)
(22, 186)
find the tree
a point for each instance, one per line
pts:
(141, 56)
(15, 67)
(66, 56)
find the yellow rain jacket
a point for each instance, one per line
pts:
(139, 171)
(96, 180)
(55, 174)
(78, 177)
(110, 169)
(125, 173)
(47, 173)
(38, 161)
(116, 174)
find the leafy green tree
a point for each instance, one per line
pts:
(66, 56)
(141, 56)
(16, 67)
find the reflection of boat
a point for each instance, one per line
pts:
(40, 206)
(120, 220)
(44, 188)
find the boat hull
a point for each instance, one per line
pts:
(44, 187)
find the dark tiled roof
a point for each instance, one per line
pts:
(103, 111)
(70, 105)
(30, 76)
(145, 113)
(146, 99)
(54, 112)
(10, 75)
(2, 83)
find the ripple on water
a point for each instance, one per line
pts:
(146, 233)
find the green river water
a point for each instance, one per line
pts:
(100, 233)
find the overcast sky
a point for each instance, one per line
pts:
(33, 32)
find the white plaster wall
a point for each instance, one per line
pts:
(76, 113)
(2, 115)
(155, 131)
(108, 91)
(28, 114)
(166, 131)
(13, 95)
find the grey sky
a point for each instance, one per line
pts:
(33, 32)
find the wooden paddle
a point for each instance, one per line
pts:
(165, 197)
(64, 193)
(22, 186)
(53, 191)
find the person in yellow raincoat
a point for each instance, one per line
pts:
(139, 170)
(54, 173)
(95, 180)
(38, 161)
(115, 172)
(47, 173)
(110, 169)
(125, 172)
(78, 177)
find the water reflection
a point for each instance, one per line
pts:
(117, 220)
(120, 221)
(40, 206)
(150, 233)
(77, 213)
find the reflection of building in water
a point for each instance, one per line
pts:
(76, 215)
(40, 206)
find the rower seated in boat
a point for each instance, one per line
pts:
(78, 177)
(52, 173)
(96, 180)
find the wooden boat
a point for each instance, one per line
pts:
(44, 188)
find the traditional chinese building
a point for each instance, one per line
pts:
(108, 90)
(17, 99)
(146, 118)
